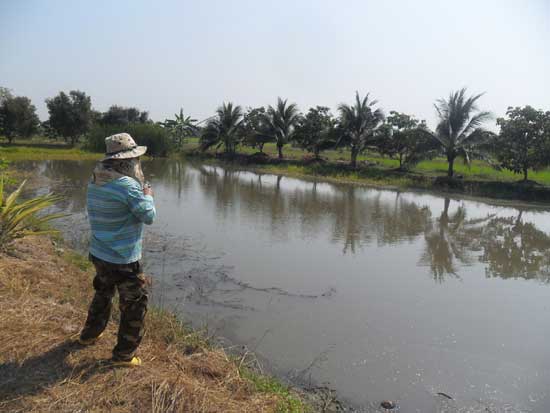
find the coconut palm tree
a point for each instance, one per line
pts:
(223, 129)
(359, 123)
(281, 121)
(458, 131)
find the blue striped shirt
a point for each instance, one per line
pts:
(117, 211)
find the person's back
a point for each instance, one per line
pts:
(118, 203)
(117, 211)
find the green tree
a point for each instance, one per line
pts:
(5, 93)
(406, 139)
(523, 141)
(281, 121)
(224, 129)
(119, 115)
(315, 131)
(359, 124)
(181, 127)
(458, 132)
(256, 128)
(70, 115)
(47, 131)
(18, 117)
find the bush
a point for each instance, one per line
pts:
(20, 219)
(153, 136)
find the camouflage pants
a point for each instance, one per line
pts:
(130, 282)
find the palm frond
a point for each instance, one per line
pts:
(475, 122)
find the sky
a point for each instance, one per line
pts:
(163, 55)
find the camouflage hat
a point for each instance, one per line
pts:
(122, 146)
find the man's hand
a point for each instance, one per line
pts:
(148, 190)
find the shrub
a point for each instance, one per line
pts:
(153, 136)
(20, 219)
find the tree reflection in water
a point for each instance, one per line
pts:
(509, 247)
(515, 249)
(70, 179)
(449, 242)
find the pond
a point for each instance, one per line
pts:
(378, 294)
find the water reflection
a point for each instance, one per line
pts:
(69, 179)
(449, 241)
(513, 248)
(354, 217)
(510, 247)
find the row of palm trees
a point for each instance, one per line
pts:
(359, 126)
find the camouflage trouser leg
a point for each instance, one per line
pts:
(100, 308)
(133, 305)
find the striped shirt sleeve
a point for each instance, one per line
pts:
(141, 206)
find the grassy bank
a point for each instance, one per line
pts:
(479, 179)
(40, 152)
(44, 292)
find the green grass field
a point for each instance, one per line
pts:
(37, 151)
(37, 154)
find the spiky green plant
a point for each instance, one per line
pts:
(20, 219)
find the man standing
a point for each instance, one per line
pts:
(119, 203)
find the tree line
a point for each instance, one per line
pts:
(523, 142)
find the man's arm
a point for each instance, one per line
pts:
(141, 203)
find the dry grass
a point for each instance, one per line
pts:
(43, 301)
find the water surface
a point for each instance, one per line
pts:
(378, 294)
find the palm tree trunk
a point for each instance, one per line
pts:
(280, 150)
(451, 160)
(354, 153)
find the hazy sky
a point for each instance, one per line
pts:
(163, 55)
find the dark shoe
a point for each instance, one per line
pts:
(88, 341)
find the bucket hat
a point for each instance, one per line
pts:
(122, 146)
